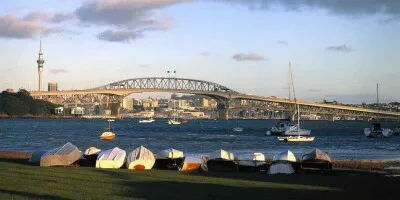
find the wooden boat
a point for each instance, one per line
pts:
(169, 159)
(282, 163)
(257, 163)
(108, 134)
(221, 161)
(140, 159)
(189, 165)
(91, 155)
(113, 158)
(61, 156)
(35, 157)
(316, 160)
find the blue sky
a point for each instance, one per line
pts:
(338, 51)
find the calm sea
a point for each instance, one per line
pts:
(342, 140)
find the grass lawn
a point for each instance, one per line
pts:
(19, 180)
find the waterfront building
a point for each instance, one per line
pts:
(128, 103)
(52, 86)
(77, 111)
(204, 103)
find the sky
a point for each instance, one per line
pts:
(339, 50)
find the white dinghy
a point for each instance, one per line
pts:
(91, 155)
(222, 160)
(169, 159)
(112, 159)
(140, 159)
(61, 156)
(282, 163)
(257, 163)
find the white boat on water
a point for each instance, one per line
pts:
(173, 122)
(280, 128)
(113, 158)
(140, 159)
(146, 121)
(238, 129)
(108, 132)
(376, 131)
(61, 156)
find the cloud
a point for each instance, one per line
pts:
(58, 71)
(205, 53)
(49, 17)
(339, 7)
(389, 20)
(248, 57)
(14, 27)
(130, 18)
(284, 42)
(119, 35)
(339, 48)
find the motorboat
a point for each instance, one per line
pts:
(376, 131)
(222, 161)
(140, 159)
(237, 129)
(146, 121)
(112, 159)
(296, 138)
(283, 163)
(61, 156)
(91, 155)
(169, 159)
(280, 128)
(108, 134)
(257, 163)
(316, 159)
(173, 122)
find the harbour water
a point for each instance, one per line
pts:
(341, 139)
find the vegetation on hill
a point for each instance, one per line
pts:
(21, 104)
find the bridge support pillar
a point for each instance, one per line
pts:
(223, 113)
(331, 118)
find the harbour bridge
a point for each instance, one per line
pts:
(226, 98)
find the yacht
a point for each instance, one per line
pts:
(295, 133)
(280, 128)
(376, 131)
(147, 121)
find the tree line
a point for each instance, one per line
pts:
(22, 103)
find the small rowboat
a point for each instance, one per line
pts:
(140, 159)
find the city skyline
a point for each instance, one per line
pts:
(338, 51)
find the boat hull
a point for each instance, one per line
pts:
(251, 166)
(168, 163)
(111, 159)
(62, 156)
(189, 167)
(220, 165)
(140, 159)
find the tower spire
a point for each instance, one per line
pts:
(40, 62)
(40, 51)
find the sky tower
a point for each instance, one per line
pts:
(40, 62)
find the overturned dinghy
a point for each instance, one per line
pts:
(189, 165)
(317, 159)
(255, 165)
(35, 157)
(91, 155)
(169, 159)
(112, 158)
(221, 161)
(282, 163)
(61, 156)
(140, 159)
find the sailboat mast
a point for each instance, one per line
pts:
(298, 116)
(290, 84)
(377, 94)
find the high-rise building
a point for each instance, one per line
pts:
(204, 103)
(40, 62)
(52, 87)
(128, 103)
